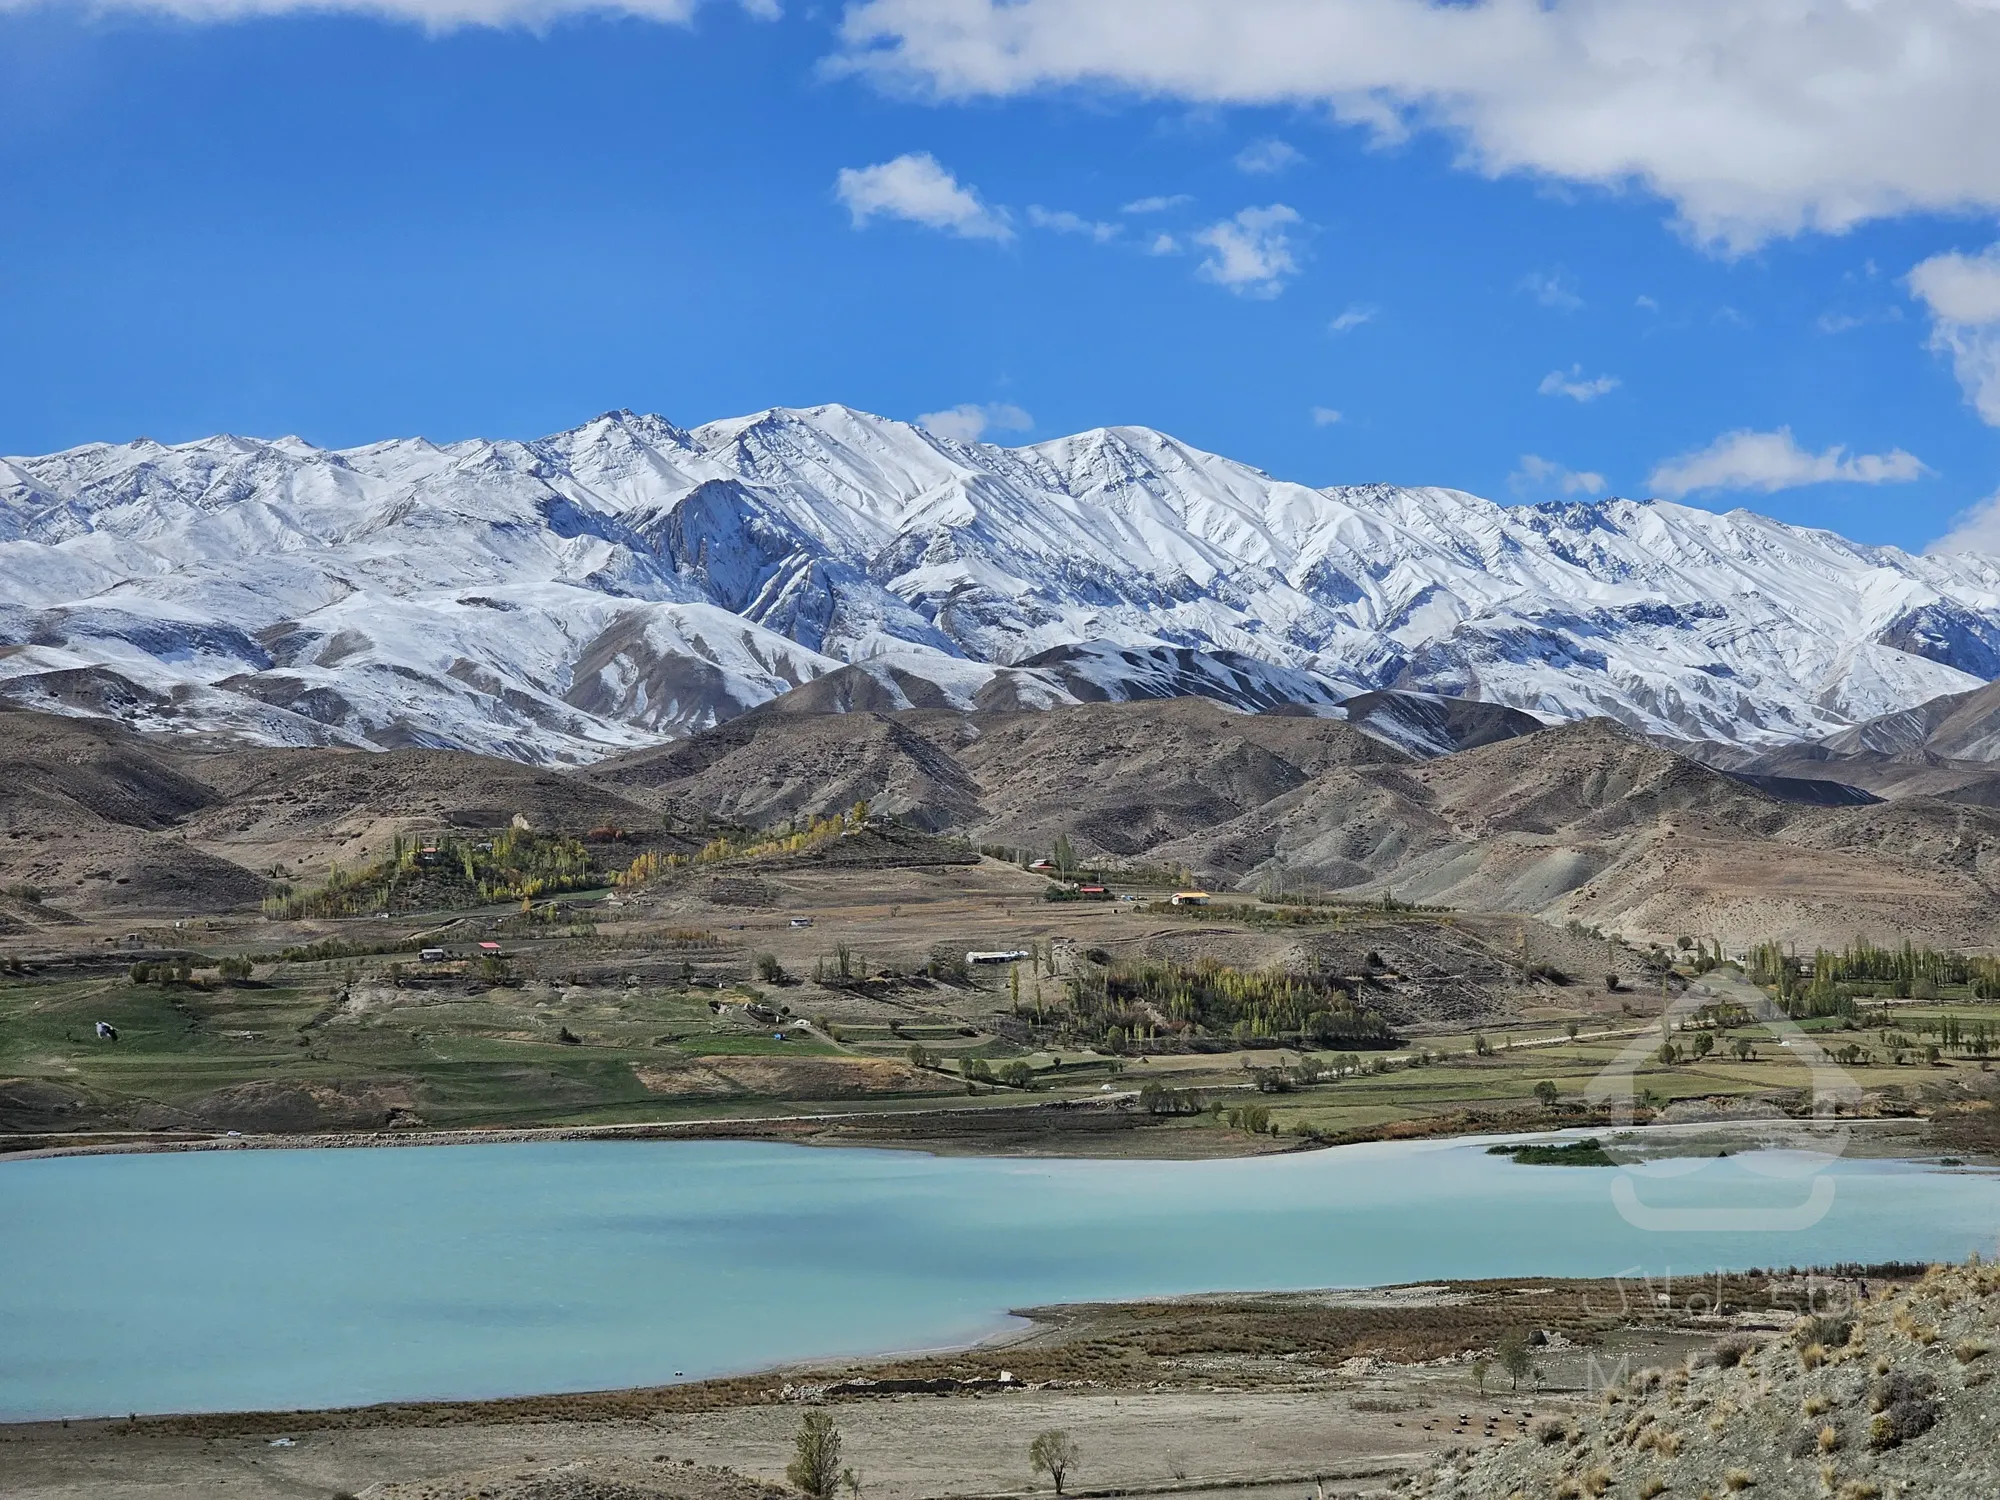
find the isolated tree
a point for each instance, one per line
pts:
(815, 1466)
(1065, 856)
(1515, 1358)
(1573, 1028)
(1548, 1093)
(1053, 1453)
(1481, 1368)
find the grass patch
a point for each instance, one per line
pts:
(1585, 1153)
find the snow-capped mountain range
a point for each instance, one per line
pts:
(627, 580)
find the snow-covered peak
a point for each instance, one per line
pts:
(559, 597)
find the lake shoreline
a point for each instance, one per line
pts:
(1431, 1309)
(1055, 1120)
(1108, 1128)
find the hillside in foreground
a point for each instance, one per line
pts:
(1889, 1398)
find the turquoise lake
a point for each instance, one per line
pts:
(279, 1279)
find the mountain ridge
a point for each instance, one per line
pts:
(628, 580)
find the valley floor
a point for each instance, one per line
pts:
(653, 1012)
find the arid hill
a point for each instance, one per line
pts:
(1587, 822)
(97, 818)
(1584, 821)
(1948, 748)
(1121, 778)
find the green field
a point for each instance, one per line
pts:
(505, 1056)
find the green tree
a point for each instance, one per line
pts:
(1515, 1358)
(1053, 1453)
(769, 969)
(1065, 856)
(920, 1056)
(1016, 1075)
(1481, 1368)
(1548, 1093)
(815, 1466)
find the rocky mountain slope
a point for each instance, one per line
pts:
(1948, 748)
(1888, 1397)
(599, 589)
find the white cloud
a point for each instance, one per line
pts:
(1062, 221)
(1768, 461)
(433, 15)
(970, 422)
(1267, 158)
(1974, 530)
(917, 188)
(1574, 385)
(1164, 244)
(1754, 118)
(1838, 320)
(1962, 293)
(1352, 317)
(1156, 205)
(1538, 473)
(1251, 254)
(1645, 302)
(1325, 416)
(1555, 289)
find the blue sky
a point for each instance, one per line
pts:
(353, 226)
